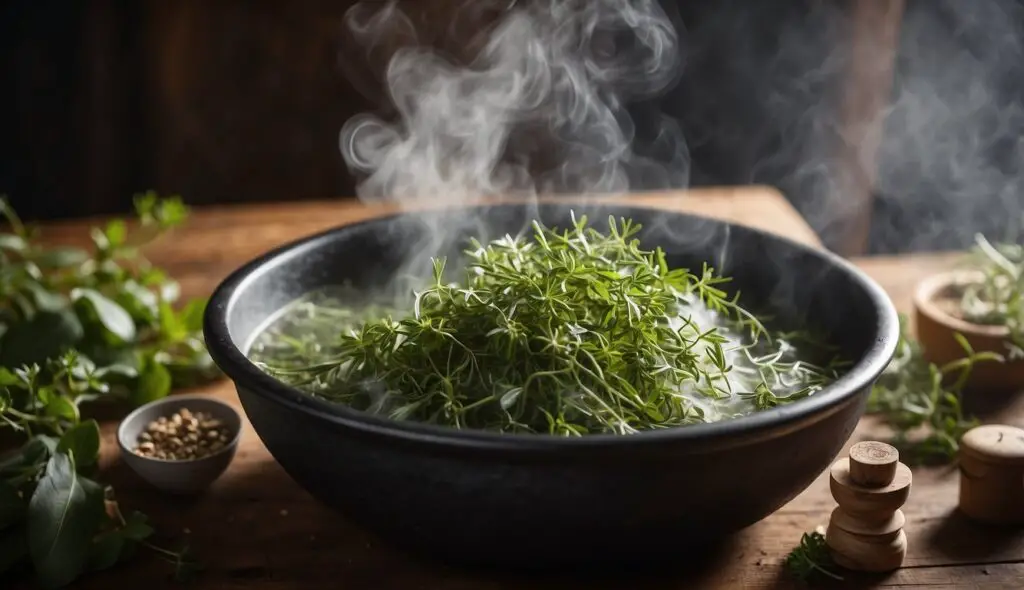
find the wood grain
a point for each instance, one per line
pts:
(256, 529)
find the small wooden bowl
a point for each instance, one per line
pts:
(936, 327)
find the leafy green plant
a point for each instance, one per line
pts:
(997, 297)
(570, 332)
(811, 558)
(80, 327)
(921, 402)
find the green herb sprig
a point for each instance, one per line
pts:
(811, 558)
(80, 327)
(920, 404)
(569, 333)
(997, 298)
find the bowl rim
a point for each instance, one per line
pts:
(246, 375)
(175, 397)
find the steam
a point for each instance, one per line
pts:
(533, 101)
(940, 150)
(574, 96)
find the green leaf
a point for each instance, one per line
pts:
(83, 441)
(7, 378)
(47, 335)
(138, 301)
(171, 325)
(117, 370)
(192, 315)
(12, 506)
(46, 300)
(12, 242)
(106, 550)
(13, 548)
(61, 406)
(136, 527)
(170, 291)
(39, 449)
(113, 317)
(64, 515)
(61, 257)
(154, 382)
(116, 232)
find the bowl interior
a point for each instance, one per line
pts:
(134, 424)
(797, 285)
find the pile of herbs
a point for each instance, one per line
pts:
(565, 332)
(78, 327)
(997, 297)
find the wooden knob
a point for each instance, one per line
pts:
(873, 463)
(873, 503)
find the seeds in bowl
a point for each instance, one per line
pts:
(183, 436)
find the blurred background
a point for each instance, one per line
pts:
(241, 101)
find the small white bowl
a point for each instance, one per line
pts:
(172, 476)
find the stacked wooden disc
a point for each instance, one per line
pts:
(992, 474)
(865, 531)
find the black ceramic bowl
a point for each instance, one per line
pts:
(539, 501)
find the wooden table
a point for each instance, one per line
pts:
(255, 528)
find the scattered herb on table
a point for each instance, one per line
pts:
(915, 397)
(997, 299)
(571, 332)
(76, 327)
(811, 558)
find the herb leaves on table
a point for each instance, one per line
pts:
(811, 558)
(920, 402)
(77, 327)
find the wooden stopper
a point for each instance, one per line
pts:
(852, 552)
(869, 503)
(873, 464)
(992, 475)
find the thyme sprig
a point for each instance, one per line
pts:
(811, 558)
(565, 332)
(920, 403)
(997, 299)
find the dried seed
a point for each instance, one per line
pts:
(182, 436)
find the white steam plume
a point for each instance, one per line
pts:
(533, 101)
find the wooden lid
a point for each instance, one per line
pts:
(994, 443)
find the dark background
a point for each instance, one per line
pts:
(242, 101)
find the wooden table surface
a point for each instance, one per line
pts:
(255, 528)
